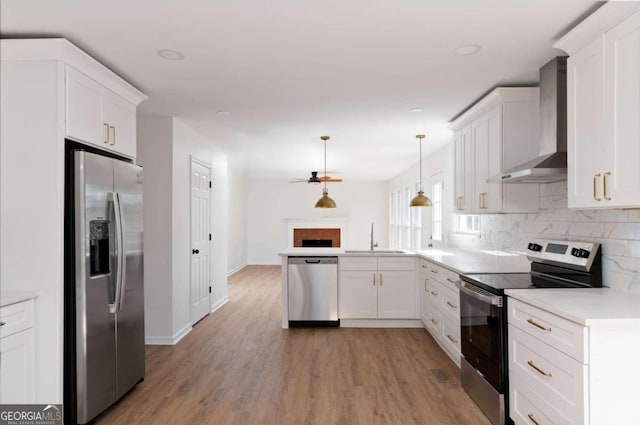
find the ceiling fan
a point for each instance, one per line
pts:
(314, 179)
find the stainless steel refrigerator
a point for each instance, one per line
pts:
(104, 300)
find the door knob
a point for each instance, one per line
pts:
(196, 251)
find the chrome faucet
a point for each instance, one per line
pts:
(373, 245)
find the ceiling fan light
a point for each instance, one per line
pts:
(325, 201)
(420, 200)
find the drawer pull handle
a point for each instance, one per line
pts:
(435, 294)
(434, 271)
(424, 267)
(451, 280)
(452, 305)
(538, 325)
(452, 339)
(533, 419)
(374, 279)
(435, 322)
(2, 323)
(380, 279)
(537, 369)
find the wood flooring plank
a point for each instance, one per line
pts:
(239, 367)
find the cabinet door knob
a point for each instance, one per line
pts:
(196, 251)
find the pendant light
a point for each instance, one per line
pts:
(420, 200)
(325, 201)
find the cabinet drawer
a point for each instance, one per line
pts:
(568, 337)
(434, 323)
(396, 263)
(450, 336)
(441, 274)
(554, 376)
(16, 317)
(434, 292)
(358, 263)
(525, 406)
(451, 304)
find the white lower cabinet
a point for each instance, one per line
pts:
(372, 287)
(17, 364)
(563, 372)
(441, 307)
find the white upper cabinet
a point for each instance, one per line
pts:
(496, 134)
(604, 108)
(98, 116)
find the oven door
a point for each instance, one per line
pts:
(483, 331)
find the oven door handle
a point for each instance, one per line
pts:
(479, 294)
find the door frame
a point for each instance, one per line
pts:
(192, 160)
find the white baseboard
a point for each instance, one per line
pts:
(168, 340)
(236, 269)
(219, 304)
(264, 263)
(381, 323)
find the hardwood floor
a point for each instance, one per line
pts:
(238, 366)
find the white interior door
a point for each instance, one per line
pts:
(200, 239)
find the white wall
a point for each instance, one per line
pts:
(270, 202)
(237, 214)
(166, 146)
(155, 155)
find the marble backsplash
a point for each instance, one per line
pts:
(617, 230)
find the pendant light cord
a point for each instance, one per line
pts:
(421, 164)
(325, 165)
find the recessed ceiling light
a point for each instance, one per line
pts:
(172, 55)
(467, 50)
(223, 113)
(418, 109)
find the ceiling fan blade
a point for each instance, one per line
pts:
(329, 179)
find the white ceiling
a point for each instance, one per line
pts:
(289, 71)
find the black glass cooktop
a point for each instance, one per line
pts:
(497, 283)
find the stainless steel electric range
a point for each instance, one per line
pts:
(483, 315)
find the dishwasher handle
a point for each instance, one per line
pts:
(312, 260)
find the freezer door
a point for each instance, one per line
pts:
(130, 311)
(94, 286)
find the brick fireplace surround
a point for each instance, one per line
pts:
(332, 234)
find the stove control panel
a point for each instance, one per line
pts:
(573, 254)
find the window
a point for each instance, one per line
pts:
(469, 223)
(405, 223)
(436, 212)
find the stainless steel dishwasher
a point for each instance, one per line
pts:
(313, 291)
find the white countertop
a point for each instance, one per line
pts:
(458, 260)
(586, 306)
(465, 261)
(12, 297)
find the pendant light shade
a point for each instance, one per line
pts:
(325, 201)
(420, 200)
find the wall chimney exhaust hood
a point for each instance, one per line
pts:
(551, 165)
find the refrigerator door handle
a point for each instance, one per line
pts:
(122, 254)
(115, 198)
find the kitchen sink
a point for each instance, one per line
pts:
(375, 251)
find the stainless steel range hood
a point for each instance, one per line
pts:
(551, 165)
